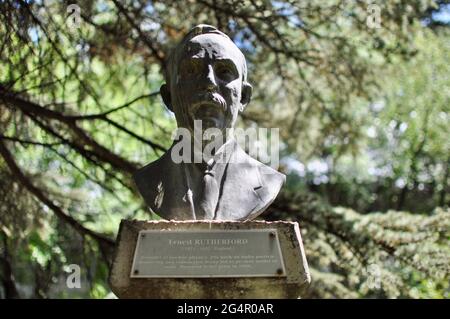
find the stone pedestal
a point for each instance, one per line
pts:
(289, 284)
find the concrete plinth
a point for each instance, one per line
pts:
(290, 285)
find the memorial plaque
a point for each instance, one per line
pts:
(208, 253)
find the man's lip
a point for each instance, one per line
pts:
(208, 104)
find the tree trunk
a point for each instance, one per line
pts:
(7, 276)
(443, 192)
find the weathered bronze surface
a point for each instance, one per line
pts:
(207, 82)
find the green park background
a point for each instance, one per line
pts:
(359, 91)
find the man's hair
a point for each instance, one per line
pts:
(174, 56)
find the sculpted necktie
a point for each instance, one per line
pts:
(209, 197)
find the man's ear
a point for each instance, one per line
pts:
(165, 94)
(246, 95)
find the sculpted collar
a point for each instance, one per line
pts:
(222, 155)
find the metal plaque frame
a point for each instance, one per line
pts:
(268, 238)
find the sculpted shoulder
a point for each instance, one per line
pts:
(268, 176)
(262, 185)
(272, 178)
(149, 179)
(272, 181)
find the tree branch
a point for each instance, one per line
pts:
(25, 181)
(18, 140)
(101, 152)
(104, 114)
(158, 55)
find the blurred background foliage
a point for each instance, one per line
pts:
(359, 90)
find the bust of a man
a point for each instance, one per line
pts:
(206, 83)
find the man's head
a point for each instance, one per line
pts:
(206, 80)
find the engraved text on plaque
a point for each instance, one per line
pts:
(210, 253)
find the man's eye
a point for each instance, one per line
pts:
(224, 71)
(190, 67)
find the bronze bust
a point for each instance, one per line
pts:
(206, 82)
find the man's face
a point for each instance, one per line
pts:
(207, 85)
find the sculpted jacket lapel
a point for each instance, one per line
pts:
(175, 203)
(240, 188)
(163, 187)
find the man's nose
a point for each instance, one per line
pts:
(210, 83)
